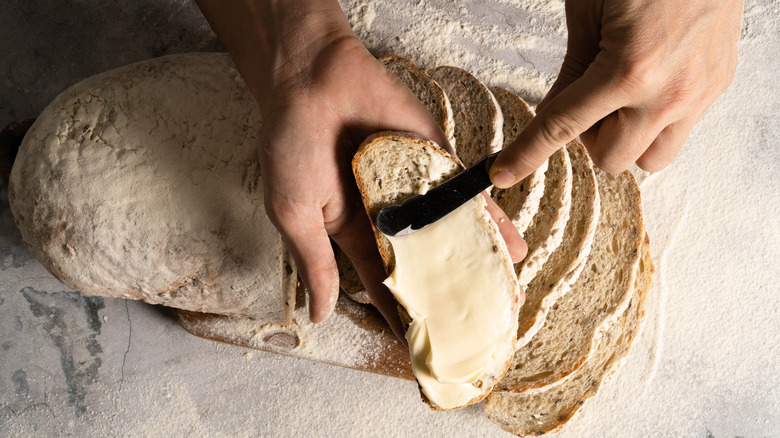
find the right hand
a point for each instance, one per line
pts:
(638, 74)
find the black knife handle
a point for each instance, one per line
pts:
(422, 210)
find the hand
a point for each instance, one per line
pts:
(638, 74)
(322, 94)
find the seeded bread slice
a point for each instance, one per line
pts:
(478, 118)
(566, 262)
(521, 201)
(427, 91)
(391, 167)
(546, 231)
(549, 410)
(600, 294)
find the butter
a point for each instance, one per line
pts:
(456, 291)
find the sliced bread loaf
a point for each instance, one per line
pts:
(442, 261)
(600, 294)
(521, 201)
(547, 411)
(566, 262)
(478, 118)
(546, 231)
(427, 91)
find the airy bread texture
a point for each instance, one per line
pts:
(601, 293)
(478, 118)
(521, 201)
(391, 167)
(566, 262)
(546, 231)
(547, 411)
(119, 191)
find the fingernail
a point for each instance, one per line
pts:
(502, 178)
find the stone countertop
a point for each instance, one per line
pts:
(705, 365)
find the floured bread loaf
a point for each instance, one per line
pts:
(118, 190)
(478, 118)
(454, 278)
(521, 201)
(603, 290)
(549, 410)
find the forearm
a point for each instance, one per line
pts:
(272, 41)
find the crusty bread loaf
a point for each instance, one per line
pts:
(566, 262)
(600, 294)
(546, 231)
(521, 201)
(478, 118)
(391, 167)
(547, 411)
(427, 91)
(119, 189)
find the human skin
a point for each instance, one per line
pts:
(320, 93)
(637, 76)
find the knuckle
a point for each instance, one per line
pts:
(558, 129)
(281, 212)
(638, 76)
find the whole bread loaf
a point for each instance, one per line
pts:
(119, 191)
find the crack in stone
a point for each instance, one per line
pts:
(129, 339)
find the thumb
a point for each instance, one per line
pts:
(572, 111)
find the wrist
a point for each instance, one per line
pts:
(275, 43)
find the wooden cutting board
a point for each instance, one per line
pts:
(355, 336)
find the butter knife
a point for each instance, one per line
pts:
(420, 211)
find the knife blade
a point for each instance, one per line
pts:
(420, 211)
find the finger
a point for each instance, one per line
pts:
(395, 107)
(666, 146)
(514, 242)
(623, 137)
(304, 232)
(583, 22)
(575, 109)
(356, 239)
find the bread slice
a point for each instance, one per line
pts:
(478, 118)
(546, 232)
(349, 280)
(566, 262)
(391, 167)
(547, 411)
(427, 91)
(521, 201)
(600, 294)
(143, 182)
(436, 102)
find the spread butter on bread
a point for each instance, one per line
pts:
(454, 278)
